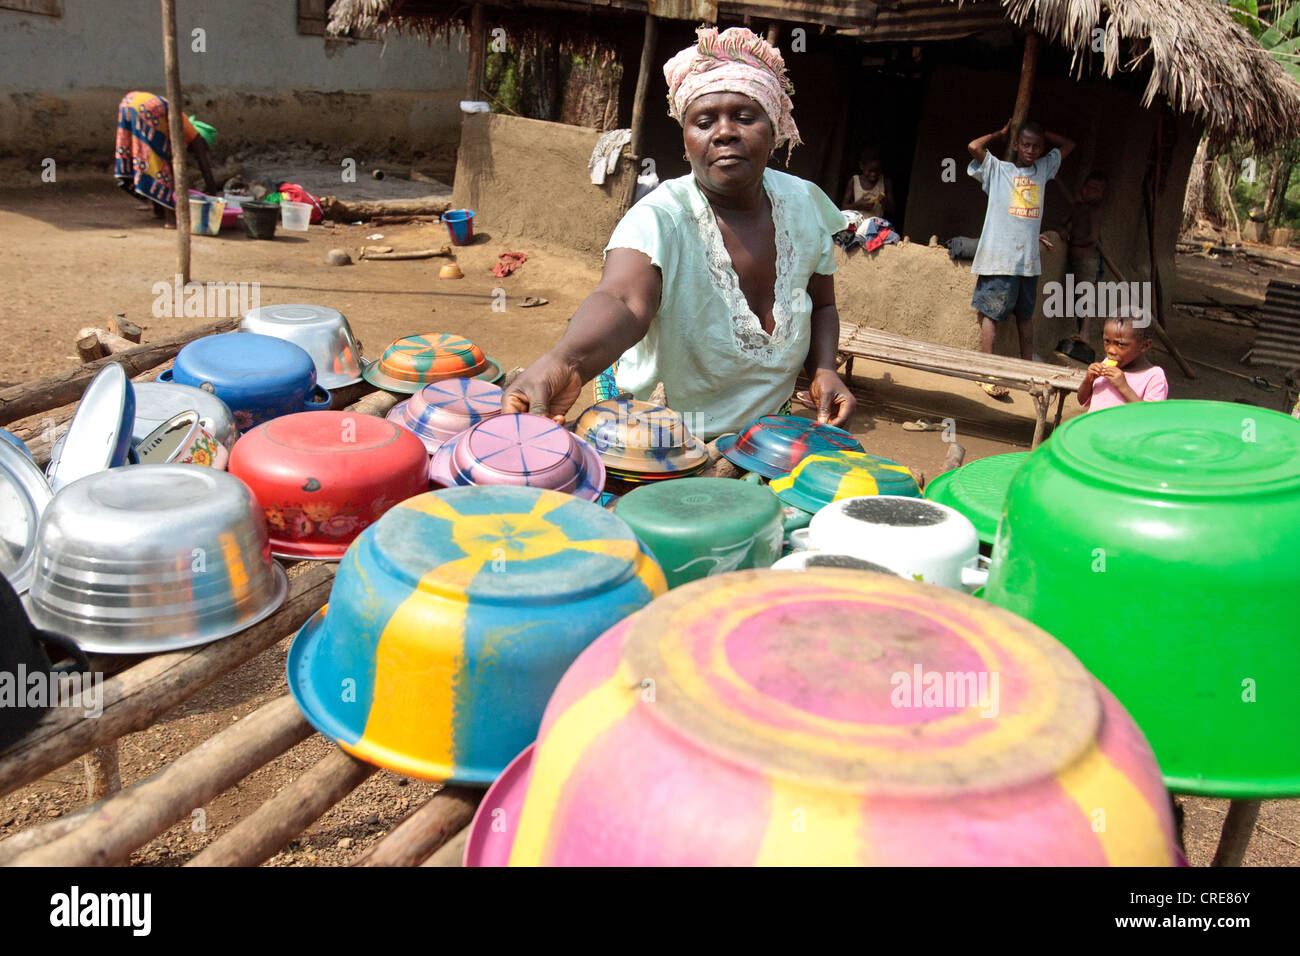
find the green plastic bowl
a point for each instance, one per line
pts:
(978, 490)
(1160, 542)
(698, 527)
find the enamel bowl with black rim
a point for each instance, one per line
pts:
(99, 435)
(914, 538)
(141, 560)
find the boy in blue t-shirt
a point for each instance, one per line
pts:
(1007, 263)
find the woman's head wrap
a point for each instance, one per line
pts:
(734, 61)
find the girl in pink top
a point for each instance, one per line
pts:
(1126, 375)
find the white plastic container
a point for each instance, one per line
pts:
(295, 216)
(912, 537)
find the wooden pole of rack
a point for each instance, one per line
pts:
(638, 107)
(176, 130)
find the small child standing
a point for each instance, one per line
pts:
(869, 191)
(1126, 375)
(1007, 263)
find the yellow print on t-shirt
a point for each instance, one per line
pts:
(1026, 202)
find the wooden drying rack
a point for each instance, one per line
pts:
(138, 691)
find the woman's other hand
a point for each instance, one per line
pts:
(835, 403)
(548, 387)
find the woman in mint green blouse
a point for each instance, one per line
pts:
(720, 283)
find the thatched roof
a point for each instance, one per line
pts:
(1197, 55)
(1193, 52)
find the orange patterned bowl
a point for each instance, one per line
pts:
(414, 361)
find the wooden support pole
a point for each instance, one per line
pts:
(1025, 91)
(1238, 827)
(425, 830)
(103, 776)
(120, 325)
(956, 455)
(176, 129)
(452, 852)
(280, 819)
(135, 698)
(477, 54)
(637, 145)
(774, 33)
(43, 394)
(88, 347)
(139, 813)
(376, 403)
(110, 343)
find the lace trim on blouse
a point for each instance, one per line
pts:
(746, 327)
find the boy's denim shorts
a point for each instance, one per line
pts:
(1000, 296)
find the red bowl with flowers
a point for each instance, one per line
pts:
(322, 478)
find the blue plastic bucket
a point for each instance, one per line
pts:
(460, 224)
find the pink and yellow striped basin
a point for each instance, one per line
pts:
(829, 717)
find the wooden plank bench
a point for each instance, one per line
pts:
(1042, 382)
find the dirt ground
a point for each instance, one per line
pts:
(81, 252)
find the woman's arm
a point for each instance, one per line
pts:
(612, 319)
(199, 147)
(835, 403)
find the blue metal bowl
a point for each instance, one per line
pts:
(258, 376)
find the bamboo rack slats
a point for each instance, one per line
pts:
(114, 827)
(426, 830)
(138, 696)
(285, 815)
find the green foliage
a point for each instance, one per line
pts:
(1280, 37)
(501, 79)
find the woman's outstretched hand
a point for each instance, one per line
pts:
(548, 387)
(834, 402)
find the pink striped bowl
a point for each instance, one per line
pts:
(828, 717)
(519, 449)
(444, 409)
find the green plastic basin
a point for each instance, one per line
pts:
(1160, 542)
(697, 527)
(978, 490)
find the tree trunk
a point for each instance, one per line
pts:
(1271, 196)
(1195, 204)
(1277, 199)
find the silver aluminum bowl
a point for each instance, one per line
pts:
(157, 403)
(322, 332)
(24, 496)
(142, 560)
